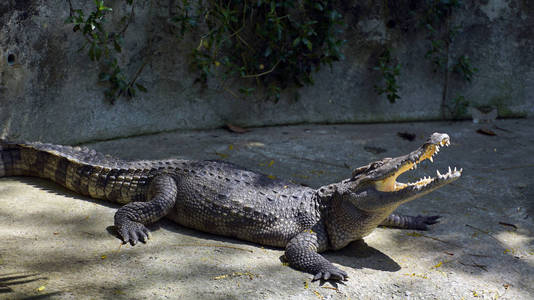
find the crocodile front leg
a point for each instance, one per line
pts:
(409, 222)
(301, 253)
(130, 220)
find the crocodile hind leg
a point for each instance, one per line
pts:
(409, 222)
(130, 220)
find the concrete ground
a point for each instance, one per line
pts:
(57, 244)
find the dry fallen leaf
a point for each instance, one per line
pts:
(508, 224)
(236, 129)
(222, 155)
(486, 131)
(318, 295)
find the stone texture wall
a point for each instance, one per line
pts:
(49, 91)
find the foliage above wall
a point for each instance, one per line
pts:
(272, 43)
(269, 45)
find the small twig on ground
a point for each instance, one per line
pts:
(488, 234)
(483, 231)
(417, 234)
(213, 245)
(508, 224)
(503, 129)
(479, 255)
(483, 267)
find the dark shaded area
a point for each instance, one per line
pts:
(359, 255)
(43, 296)
(11, 279)
(11, 59)
(407, 136)
(374, 150)
(56, 189)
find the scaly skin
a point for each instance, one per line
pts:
(225, 199)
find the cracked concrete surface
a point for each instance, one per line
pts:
(57, 244)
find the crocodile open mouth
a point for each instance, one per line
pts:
(427, 151)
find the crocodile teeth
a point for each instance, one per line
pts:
(431, 159)
(437, 171)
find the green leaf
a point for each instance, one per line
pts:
(93, 50)
(268, 52)
(98, 53)
(104, 76)
(117, 46)
(296, 42)
(307, 43)
(141, 87)
(246, 91)
(130, 92)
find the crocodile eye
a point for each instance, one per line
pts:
(380, 163)
(376, 164)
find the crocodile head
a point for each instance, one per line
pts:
(375, 187)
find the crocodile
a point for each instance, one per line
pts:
(224, 199)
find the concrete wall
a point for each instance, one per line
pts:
(49, 91)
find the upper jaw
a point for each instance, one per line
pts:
(387, 182)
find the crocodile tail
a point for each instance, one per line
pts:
(10, 159)
(27, 159)
(81, 170)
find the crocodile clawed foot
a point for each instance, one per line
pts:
(133, 232)
(331, 273)
(422, 222)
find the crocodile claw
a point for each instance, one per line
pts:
(133, 232)
(422, 222)
(331, 273)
